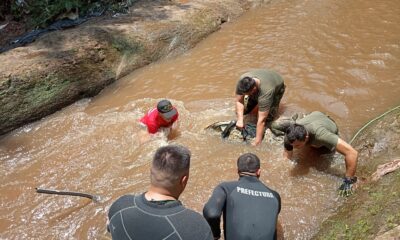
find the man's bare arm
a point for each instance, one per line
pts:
(239, 110)
(262, 116)
(350, 156)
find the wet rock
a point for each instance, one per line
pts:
(62, 67)
(379, 146)
(385, 169)
(393, 234)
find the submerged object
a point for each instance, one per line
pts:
(274, 131)
(228, 131)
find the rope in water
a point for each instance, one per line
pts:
(373, 120)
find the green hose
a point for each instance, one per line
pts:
(373, 120)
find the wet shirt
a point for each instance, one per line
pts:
(133, 217)
(271, 84)
(322, 131)
(154, 121)
(250, 209)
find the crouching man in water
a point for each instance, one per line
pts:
(263, 90)
(250, 209)
(163, 117)
(318, 130)
(157, 213)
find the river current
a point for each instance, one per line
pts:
(339, 57)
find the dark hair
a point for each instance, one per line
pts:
(244, 85)
(296, 132)
(170, 163)
(248, 162)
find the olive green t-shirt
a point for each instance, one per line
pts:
(270, 84)
(322, 130)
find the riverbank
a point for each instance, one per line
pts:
(95, 150)
(62, 67)
(373, 211)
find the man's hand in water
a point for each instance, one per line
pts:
(239, 124)
(255, 142)
(346, 189)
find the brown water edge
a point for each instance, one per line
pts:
(374, 209)
(210, 166)
(92, 146)
(64, 66)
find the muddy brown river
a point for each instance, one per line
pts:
(340, 57)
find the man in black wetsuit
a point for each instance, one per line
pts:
(157, 213)
(250, 209)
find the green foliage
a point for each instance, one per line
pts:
(45, 11)
(5, 8)
(40, 13)
(360, 230)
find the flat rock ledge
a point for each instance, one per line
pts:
(62, 67)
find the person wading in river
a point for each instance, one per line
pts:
(259, 92)
(319, 130)
(250, 209)
(163, 117)
(157, 213)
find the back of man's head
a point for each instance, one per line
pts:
(296, 132)
(248, 163)
(170, 164)
(244, 85)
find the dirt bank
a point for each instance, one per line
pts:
(373, 211)
(62, 67)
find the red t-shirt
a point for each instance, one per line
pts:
(154, 121)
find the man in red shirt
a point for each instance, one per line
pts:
(163, 116)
